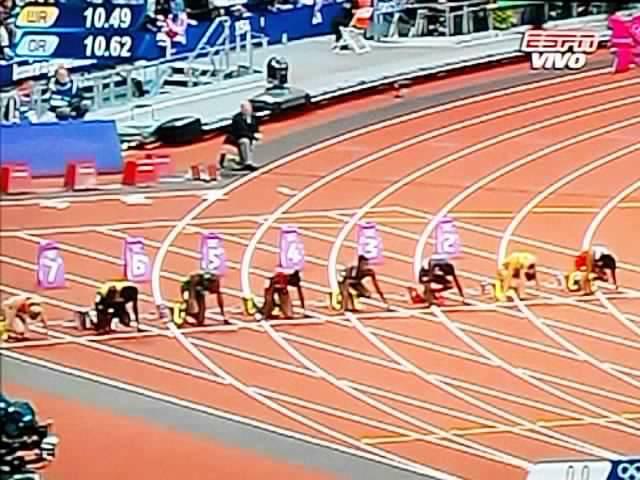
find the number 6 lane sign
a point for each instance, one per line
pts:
(212, 256)
(50, 266)
(291, 249)
(137, 264)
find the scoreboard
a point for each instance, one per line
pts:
(106, 31)
(623, 469)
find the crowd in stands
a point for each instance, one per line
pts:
(65, 101)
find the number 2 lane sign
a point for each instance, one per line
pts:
(447, 238)
(50, 266)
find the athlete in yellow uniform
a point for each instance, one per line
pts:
(518, 266)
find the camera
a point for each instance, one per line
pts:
(26, 445)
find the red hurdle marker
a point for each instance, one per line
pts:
(81, 175)
(140, 172)
(15, 178)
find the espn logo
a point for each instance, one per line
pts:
(559, 50)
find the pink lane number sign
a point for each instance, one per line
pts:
(291, 249)
(50, 266)
(137, 264)
(447, 238)
(212, 256)
(369, 242)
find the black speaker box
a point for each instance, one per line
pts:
(179, 131)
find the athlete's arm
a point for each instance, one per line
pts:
(458, 286)
(301, 297)
(376, 285)
(221, 303)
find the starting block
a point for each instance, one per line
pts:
(15, 178)
(573, 281)
(250, 307)
(204, 173)
(335, 301)
(163, 163)
(179, 313)
(140, 172)
(80, 175)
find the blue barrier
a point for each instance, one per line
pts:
(47, 147)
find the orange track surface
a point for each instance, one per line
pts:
(475, 394)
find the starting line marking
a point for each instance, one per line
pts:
(464, 432)
(500, 214)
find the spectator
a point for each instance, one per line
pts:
(245, 132)
(65, 100)
(18, 107)
(342, 20)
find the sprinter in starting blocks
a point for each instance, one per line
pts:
(277, 299)
(599, 263)
(514, 273)
(193, 301)
(352, 288)
(437, 276)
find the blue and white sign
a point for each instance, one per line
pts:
(627, 469)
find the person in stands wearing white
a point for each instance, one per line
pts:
(65, 101)
(18, 107)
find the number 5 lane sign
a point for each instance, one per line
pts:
(559, 49)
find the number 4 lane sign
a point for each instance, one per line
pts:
(291, 255)
(559, 49)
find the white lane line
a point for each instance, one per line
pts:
(238, 385)
(457, 443)
(262, 229)
(84, 341)
(610, 205)
(322, 346)
(172, 400)
(559, 184)
(511, 167)
(171, 223)
(498, 234)
(588, 239)
(543, 434)
(519, 218)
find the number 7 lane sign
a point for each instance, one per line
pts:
(50, 270)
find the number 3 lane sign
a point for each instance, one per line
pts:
(50, 266)
(291, 255)
(369, 242)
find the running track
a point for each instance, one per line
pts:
(480, 391)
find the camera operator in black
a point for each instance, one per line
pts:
(25, 445)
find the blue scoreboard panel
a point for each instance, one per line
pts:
(625, 469)
(107, 31)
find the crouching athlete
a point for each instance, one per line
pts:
(116, 299)
(194, 290)
(597, 263)
(277, 297)
(351, 286)
(516, 270)
(437, 276)
(16, 314)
